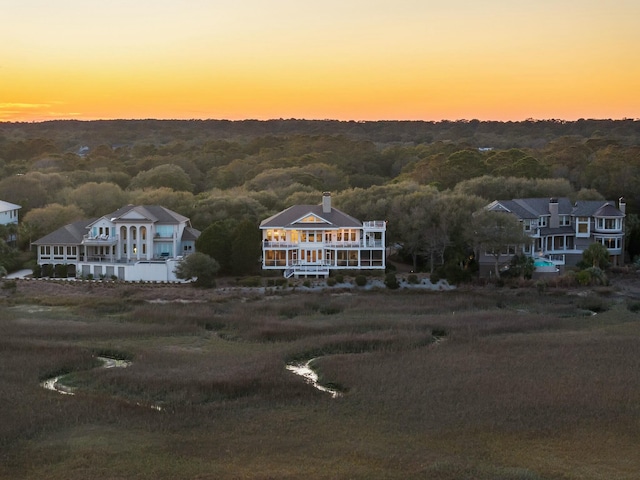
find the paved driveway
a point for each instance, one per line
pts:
(20, 274)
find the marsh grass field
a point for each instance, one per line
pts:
(478, 383)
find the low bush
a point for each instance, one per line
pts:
(413, 279)
(361, 280)
(391, 281)
(46, 270)
(61, 270)
(591, 276)
(331, 282)
(37, 271)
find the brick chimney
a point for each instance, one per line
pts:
(326, 202)
(554, 219)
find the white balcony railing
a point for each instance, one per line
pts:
(332, 244)
(104, 238)
(375, 224)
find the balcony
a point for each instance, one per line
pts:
(106, 259)
(607, 229)
(335, 244)
(375, 225)
(99, 240)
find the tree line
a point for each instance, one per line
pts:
(237, 173)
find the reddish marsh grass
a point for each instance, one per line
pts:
(511, 380)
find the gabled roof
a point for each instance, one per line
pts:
(292, 218)
(497, 206)
(589, 208)
(608, 210)
(152, 213)
(190, 233)
(540, 206)
(7, 206)
(532, 208)
(70, 234)
(73, 233)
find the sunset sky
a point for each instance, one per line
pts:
(337, 59)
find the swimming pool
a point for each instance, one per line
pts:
(543, 263)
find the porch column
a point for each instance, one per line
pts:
(138, 244)
(175, 244)
(149, 244)
(129, 242)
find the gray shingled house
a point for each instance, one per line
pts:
(312, 240)
(562, 230)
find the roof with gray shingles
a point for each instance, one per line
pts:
(70, 234)
(607, 210)
(154, 213)
(557, 231)
(190, 234)
(7, 206)
(290, 218)
(73, 233)
(531, 208)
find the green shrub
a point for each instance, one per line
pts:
(412, 279)
(37, 271)
(361, 280)
(592, 276)
(339, 278)
(598, 276)
(46, 270)
(61, 270)
(583, 277)
(452, 273)
(331, 282)
(391, 281)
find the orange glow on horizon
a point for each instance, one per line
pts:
(281, 59)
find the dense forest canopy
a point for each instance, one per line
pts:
(216, 170)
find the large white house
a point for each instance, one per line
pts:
(562, 230)
(143, 242)
(312, 240)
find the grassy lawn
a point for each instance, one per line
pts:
(480, 384)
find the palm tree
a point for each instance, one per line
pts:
(596, 255)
